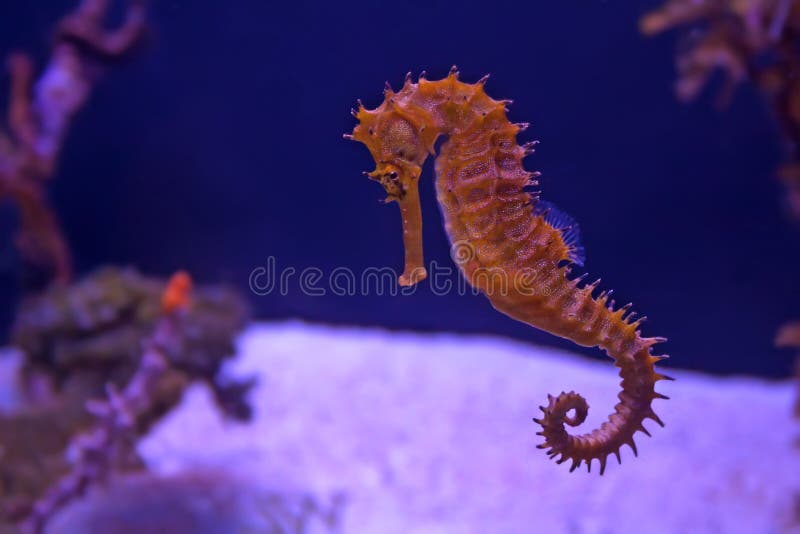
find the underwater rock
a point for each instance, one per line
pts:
(433, 434)
(197, 503)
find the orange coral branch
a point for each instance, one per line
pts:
(39, 115)
(789, 337)
(39, 238)
(86, 26)
(747, 40)
(177, 294)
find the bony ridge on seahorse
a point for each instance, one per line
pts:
(505, 237)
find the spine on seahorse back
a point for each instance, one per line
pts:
(506, 247)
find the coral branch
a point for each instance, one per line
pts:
(79, 337)
(747, 40)
(108, 444)
(82, 341)
(85, 26)
(789, 337)
(39, 115)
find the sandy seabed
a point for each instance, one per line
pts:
(430, 434)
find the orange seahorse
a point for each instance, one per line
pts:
(511, 238)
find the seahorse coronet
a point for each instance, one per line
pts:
(487, 205)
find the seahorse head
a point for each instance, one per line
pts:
(393, 142)
(398, 151)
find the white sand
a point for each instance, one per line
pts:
(433, 434)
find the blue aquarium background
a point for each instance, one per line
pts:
(229, 354)
(221, 146)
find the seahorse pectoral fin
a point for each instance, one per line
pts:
(411, 214)
(567, 226)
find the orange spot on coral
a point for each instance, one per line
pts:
(178, 292)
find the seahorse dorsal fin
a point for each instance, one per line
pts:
(567, 225)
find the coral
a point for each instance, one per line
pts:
(108, 443)
(32, 444)
(755, 41)
(88, 334)
(84, 341)
(747, 40)
(519, 251)
(789, 337)
(39, 116)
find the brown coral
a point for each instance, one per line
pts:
(85, 340)
(789, 337)
(85, 335)
(39, 115)
(747, 40)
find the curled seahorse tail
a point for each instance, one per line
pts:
(638, 391)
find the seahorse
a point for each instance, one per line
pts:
(502, 233)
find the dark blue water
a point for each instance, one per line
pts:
(220, 146)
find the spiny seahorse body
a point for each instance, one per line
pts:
(505, 246)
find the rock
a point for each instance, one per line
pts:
(194, 503)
